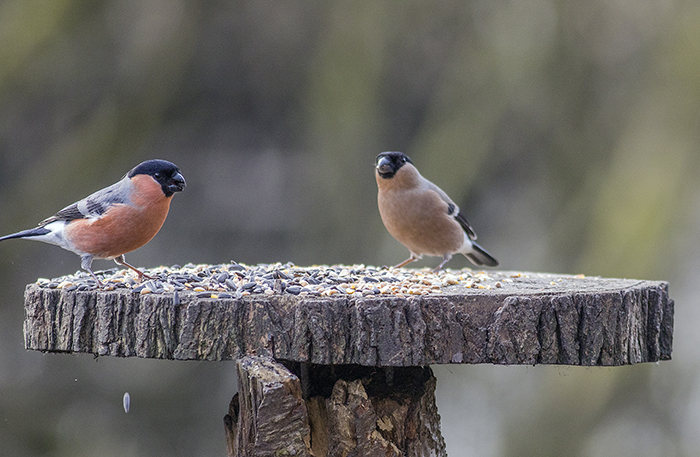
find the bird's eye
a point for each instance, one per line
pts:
(158, 175)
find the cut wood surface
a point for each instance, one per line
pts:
(507, 318)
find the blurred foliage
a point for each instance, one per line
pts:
(568, 132)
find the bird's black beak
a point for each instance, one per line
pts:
(384, 166)
(177, 183)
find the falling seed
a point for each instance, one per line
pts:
(126, 401)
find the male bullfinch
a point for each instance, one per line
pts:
(421, 216)
(115, 220)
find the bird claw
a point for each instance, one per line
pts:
(144, 275)
(413, 258)
(99, 283)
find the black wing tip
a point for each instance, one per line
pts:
(69, 213)
(461, 218)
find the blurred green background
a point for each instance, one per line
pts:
(569, 133)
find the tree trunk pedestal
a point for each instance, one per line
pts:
(349, 410)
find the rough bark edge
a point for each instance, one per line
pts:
(622, 327)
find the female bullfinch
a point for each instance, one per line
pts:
(421, 216)
(115, 220)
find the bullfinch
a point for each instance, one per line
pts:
(115, 220)
(421, 216)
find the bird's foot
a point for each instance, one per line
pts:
(142, 275)
(413, 258)
(99, 283)
(120, 261)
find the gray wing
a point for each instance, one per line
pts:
(453, 210)
(95, 205)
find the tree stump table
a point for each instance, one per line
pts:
(334, 361)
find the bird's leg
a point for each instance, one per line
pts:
(120, 261)
(86, 264)
(413, 258)
(445, 258)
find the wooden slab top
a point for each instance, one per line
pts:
(375, 317)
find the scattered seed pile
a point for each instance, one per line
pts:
(236, 280)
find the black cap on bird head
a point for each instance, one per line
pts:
(388, 163)
(165, 173)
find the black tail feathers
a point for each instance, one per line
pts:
(38, 231)
(480, 257)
